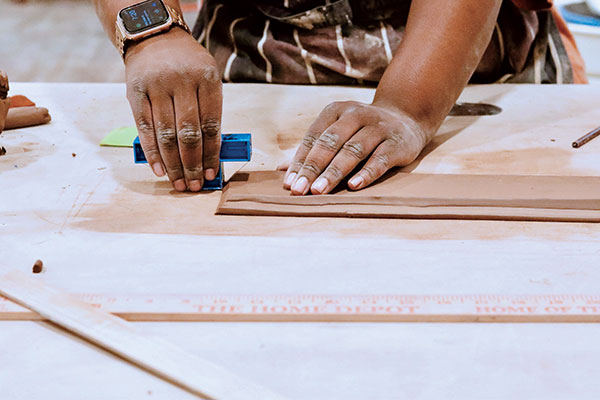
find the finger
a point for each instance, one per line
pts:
(328, 116)
(210, 98)
(189, 138)
(324, 150)
(163, 115)
(284, 165)
(352, 153)
(378, 164)
(142, 113)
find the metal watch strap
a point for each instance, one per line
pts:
(176, 17)
(120, 41)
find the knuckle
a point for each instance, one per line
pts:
(352, 108)
(211, 128)
(296, 165)
(210, 73)
(211, 159)
(189, 135)
(355, 149)
(311, 168)
(309, 140)
(193, 171)
(397, 138)
(152, 153)
(383, 160)
(174, 173)
(144, 124)
(370, 172)
(335, 172)
(167, 137)
(333, 107)
(137, 86)
(328, 141)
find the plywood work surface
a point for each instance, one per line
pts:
(101, 190)
(104, 225)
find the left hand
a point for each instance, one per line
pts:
(346, 133)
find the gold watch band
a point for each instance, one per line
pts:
(176, 19)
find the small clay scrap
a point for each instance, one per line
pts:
(22, 117)
(18, 111)
(2, 151)
(20, 101)
(38, 266)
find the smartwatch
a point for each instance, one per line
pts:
(145, 19)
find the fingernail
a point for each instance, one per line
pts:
(209, 174)
(319, 186)
(195, 186)
(180, 185)
(356, 182)
(300, 186)
(289, 180)
(158, 169)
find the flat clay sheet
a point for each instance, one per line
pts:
(411, 195)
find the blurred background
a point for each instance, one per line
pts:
(62, 40)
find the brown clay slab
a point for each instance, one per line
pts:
(430, 196)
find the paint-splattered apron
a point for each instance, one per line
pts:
(353, 41)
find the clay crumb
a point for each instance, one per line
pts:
(74, 154)
(553, 140)
(38, 267)
(2, 151)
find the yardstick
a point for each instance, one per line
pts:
(337, 308)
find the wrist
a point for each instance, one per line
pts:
(175, 33)
(423, 129)
(138, 22)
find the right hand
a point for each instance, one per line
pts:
(175, 92)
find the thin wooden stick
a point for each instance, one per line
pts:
(153, 354)
(586, 138)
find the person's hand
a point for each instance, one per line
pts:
(4, 101)
(346, 133)
(175, 93)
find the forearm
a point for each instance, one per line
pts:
(107, 11)
(442, 46)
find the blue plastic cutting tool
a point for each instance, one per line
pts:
(234, 147)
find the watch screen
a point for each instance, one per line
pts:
(144, 16)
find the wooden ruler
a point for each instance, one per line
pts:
(326, 308)
(151, 353)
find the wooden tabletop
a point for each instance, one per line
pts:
(104, 225)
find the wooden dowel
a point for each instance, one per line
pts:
(586, 138)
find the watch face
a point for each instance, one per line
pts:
(143, 16)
